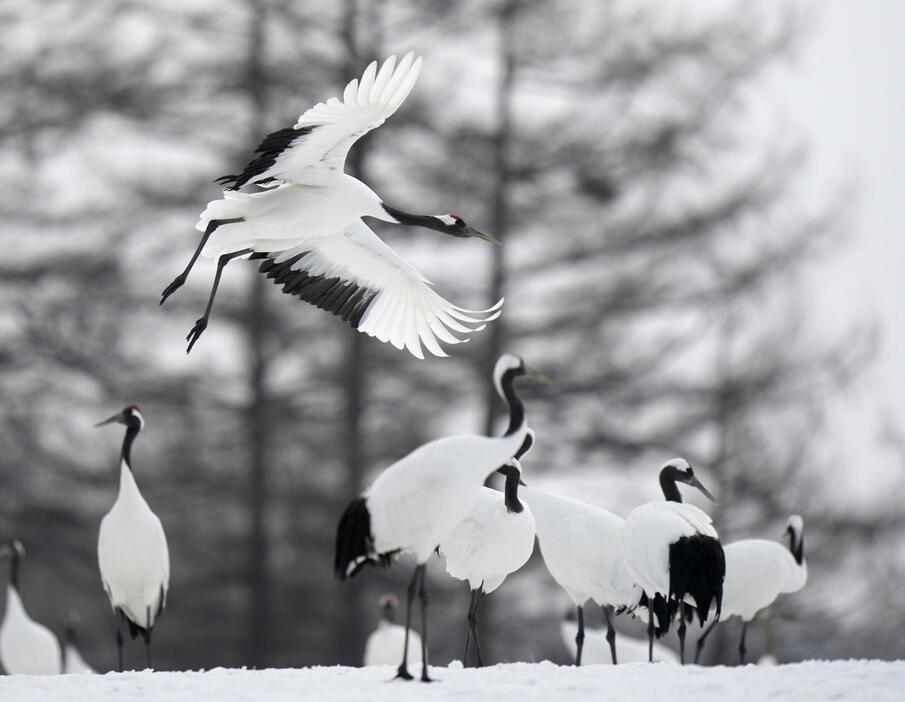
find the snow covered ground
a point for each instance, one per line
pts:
(838, 680)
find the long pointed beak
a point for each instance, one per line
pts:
(697, 483)
(522, 483)
(538, 376)
(115, 418)
(471, 231)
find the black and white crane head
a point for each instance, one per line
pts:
(306, 223)
(132, 550)
(415, 501)
(674, 555)
(493, 540)
(678, 470)
(26, 647)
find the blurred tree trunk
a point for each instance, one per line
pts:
(257, 421)
(350, 634)
(499, 219)
(499, 214)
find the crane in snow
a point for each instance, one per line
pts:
(411, 504)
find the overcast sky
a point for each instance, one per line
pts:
(846, 92)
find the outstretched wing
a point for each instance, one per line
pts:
(315, 149)
(357, 277)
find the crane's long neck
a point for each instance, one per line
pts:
(14, 569)
(516, 406)
(510, 491)
(796, 546)
(131, 432)
(670, 490)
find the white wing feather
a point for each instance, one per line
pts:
(405, 311)
(337, 124)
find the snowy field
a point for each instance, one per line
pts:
(838, 680)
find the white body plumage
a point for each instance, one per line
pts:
(757, 572)
(26, 647)
(133, 555)
(580, 544)
(421, 497)
(73, 661)
(489, 543)
(647, 534)
(384, 645)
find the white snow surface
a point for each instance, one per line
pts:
(877, 681)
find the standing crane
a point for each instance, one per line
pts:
(495, 539)
(674, 554)
(411, 504)
(758, 571)
(26, 647)
(579, 543)
(386, 641)
(305, 221)
(132, 549)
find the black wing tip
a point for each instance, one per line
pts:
(354, 543)
(341, 298)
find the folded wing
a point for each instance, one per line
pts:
(355, 276)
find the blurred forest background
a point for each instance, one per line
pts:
(652, 262)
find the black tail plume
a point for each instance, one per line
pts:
(697, 567)
(355, 544)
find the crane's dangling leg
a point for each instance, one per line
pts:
(741, 644)
(403, 671)
(477, 645)
(422, 596)
(681, 631)
(579, 636)
(180, 279)
(610, 633)
(699, 648)
(469, 619)
(650, 631)
(201, 324)
(118, 615)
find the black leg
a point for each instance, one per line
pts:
(118, 615)
(579, 636)
(650, 631)
(741, 644)
(147, 637)
(201, 324)
(703, 640)
(477, 644)
(422, 595)
(681, 632)
(180, 279)
(403, 671)
(469, 619)
(610, 633)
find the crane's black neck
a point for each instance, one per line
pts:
(388, 613)
(796, 546)
(69, 635)
(133, 426)
(510, 491)
(14, 569)
(668, 485)
(414, 220)
(516, 407)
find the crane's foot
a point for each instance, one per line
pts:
(403, 674)
(196, 333)
(426, 678)
(177, 283)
